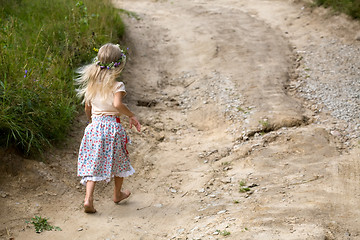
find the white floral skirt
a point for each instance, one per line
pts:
(103, 153)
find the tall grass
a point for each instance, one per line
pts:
(41, 43)
(350, 7)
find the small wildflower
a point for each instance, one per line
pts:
(96, 49)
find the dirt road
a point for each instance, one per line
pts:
(228, 147)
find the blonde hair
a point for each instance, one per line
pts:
(95, 79)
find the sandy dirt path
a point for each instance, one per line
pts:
(226, 146)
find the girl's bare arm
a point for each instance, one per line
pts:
(123, 109)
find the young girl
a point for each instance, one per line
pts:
(103, 152)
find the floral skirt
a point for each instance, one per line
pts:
(103, 152)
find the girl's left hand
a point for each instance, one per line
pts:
(134, 122)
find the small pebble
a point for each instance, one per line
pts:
(159, 205)
(3, 194)
(222, 211)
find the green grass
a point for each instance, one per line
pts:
(350, 7)
(42, 42)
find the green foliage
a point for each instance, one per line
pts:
(223, 233)
(242, 183)
(41, 224)
(350, 7)
(242, 187)
(42, 42)
(240, 109)
(264, 123)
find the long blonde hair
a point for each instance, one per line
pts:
(96, 79)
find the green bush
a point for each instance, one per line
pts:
(350, 7)
(42, 42)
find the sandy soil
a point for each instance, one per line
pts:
(226, 146)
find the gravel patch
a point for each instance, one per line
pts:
(217, 90)
(329, 77)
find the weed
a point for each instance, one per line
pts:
(41, 224)
(243, 187)
(236, 201)
(242, 183)
(264, 123)
(223, 233)
(240, 109)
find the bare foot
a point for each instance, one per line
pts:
(123, 195)
(89, 207)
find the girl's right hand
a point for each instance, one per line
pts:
(134, 122)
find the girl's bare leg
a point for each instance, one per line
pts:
(118, 194)
(89, 197)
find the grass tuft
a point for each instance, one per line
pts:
(349, 7)
(242, 187)
(223, 233)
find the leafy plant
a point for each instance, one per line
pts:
(240, 109)
(243, 187)
(264, 123)
(223, 233)
(242, 183)
(41, 224)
